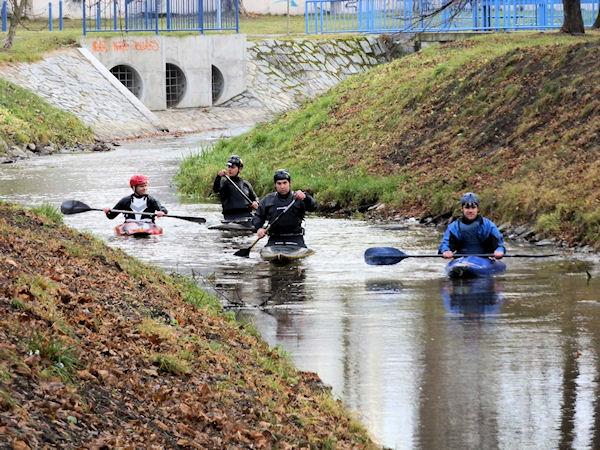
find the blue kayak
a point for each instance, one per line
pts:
(474, 266)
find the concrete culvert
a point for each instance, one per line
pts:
(175, 83)
(129, 78)
(218, 84)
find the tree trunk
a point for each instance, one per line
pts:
(573, 23)
(18, 6)
(597, 25)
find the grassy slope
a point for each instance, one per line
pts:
(513, 117)
(97, 349)
(24, 117)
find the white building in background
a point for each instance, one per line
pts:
(73, 8)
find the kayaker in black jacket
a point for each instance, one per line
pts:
(286, 228)
(237, 196)
(137, 202)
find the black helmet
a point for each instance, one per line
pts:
(235, 160)
(281, 175)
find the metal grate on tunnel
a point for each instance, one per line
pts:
(129, 78)
(175, 83)
(218, 84)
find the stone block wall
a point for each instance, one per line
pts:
(283, 73)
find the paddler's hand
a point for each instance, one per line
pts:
(261, 233)
(498, 254)
(255, 205)
(159, 213)
(448, 254)
(221, 173)
(300, 195)
(106, 210)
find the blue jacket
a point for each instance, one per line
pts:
(487, 234)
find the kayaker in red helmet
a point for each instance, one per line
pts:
(137, 202)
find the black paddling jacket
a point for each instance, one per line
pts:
(152, 205)
(290, 223)
(234, 203)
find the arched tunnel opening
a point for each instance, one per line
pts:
(129, 77)
(175, 83)
(218, 84)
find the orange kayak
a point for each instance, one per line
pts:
(138, 229)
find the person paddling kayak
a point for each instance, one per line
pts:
(286, 224)
(471, 234)
(137, 202)
(237, 196)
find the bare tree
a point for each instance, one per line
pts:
(18, 8)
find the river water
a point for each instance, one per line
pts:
(511, 362)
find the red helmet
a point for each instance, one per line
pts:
(137, 180)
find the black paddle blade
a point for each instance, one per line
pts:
(383, 256)
(244, 252)
(188, 218)
(74, 207)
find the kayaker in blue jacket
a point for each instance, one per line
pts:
(137, 202)
(287, 229)
(237, 196)
(471, 234)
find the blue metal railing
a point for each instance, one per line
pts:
(4, 14)
(160, 15)
(383, 16)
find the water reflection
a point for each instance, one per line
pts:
(474, 297)
(426, 362)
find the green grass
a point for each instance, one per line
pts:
(26, 118)
(62, 357)
(419, 131)
(50, 212)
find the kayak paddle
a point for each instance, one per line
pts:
(245, 252)
(76, 207)
(383, 256)
(238, 188)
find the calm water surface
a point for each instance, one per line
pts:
(512, 362)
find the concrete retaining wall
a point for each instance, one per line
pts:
(193, 55)
(282, 74)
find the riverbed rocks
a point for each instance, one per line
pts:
(15, 153)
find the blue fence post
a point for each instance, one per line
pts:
(237, 16)
(60, 15)
(98, 17)
(49, 16)
(168, 15)
(115, 12)
(82, 17)
(145, 14)
(201, 16)
(219, 13)
(126, 14)
(4, 16)
(359, 5)
(321, 16)
(306, 17)
(157, 5)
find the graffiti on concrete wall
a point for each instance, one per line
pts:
(125, 45)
